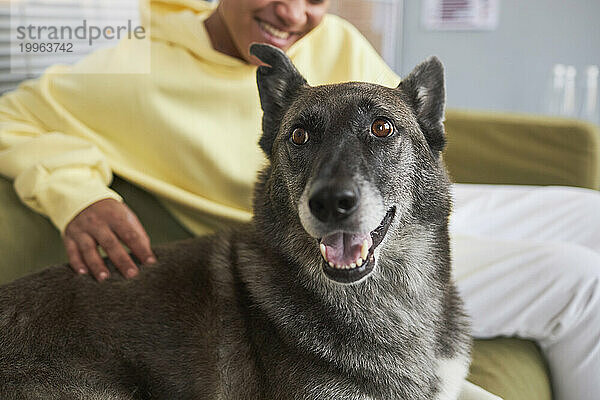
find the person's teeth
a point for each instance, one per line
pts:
(274, 31)
(364, 250)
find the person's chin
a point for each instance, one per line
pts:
(255, 61)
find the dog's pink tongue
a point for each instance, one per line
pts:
(344, 248)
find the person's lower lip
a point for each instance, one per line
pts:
(273, 40)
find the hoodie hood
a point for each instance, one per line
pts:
(181, 22)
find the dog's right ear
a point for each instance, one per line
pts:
(277, 84)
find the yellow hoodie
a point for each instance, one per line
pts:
(187, 131)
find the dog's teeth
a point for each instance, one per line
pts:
(323, 251)
(364, 249)
(359, 261)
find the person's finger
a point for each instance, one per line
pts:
(89, 250)
(114, 250)
(75, 260)
(132, 233)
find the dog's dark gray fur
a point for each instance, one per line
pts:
(250, 313)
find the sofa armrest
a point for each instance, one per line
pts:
(518, 149)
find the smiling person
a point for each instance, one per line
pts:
(236, 24)
(187, 133)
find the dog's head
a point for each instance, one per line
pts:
(352, 163)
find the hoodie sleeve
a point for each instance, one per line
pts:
(57, 172)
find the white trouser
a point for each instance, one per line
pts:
(527, 264)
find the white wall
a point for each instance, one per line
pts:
(507, 69)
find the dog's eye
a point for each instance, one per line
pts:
(299, 136)
(382, 128)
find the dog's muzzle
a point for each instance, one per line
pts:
(348, 256)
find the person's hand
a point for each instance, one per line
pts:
(106, 223)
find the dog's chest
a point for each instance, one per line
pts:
(281, 372)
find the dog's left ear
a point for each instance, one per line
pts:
(424, 87)
(277, 84)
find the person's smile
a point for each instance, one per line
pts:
(276, 35)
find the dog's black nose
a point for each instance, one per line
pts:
(335, 201)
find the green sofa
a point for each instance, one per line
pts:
(482, 148)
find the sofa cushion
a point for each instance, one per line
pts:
(513, 369)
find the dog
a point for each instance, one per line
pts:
(339, 288)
